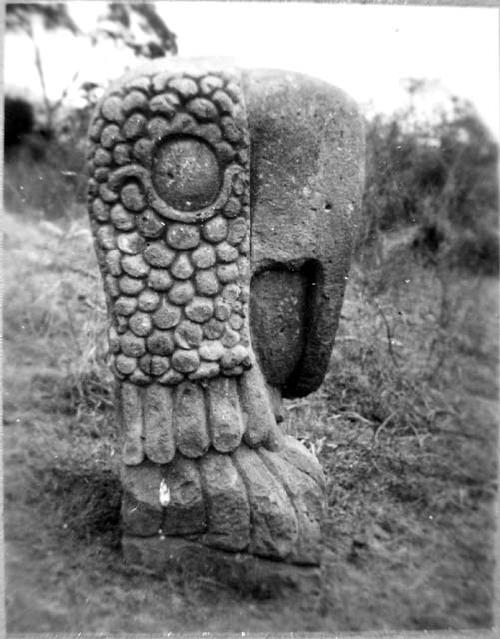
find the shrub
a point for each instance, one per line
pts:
(439, 178)
(48, 174)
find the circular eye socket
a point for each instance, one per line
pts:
(186, 173)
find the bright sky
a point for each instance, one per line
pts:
(366, 50)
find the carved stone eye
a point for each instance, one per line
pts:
(186, 173)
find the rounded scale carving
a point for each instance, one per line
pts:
(162, 209)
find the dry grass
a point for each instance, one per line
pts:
(405, 430)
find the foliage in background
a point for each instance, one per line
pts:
(45, 171)
(435, 183)
(136, 27)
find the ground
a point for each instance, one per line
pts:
(404, 426)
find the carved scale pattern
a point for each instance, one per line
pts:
(177, 281)
(173, 249)
(174, 255)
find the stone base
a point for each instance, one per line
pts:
(246, 573)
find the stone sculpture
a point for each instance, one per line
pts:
(223, 205)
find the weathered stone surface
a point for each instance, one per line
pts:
(215, 230)
(141, 324)
(131, 345)
(213, 329)
(309, 503)
(135, 126)
(110, 136)
(148, 300)
(200, 309)
(223, 101)
(159, 279)
(232, 208)
(188, 334)
(228, 508)
(274, 524)
(121, 154)
(130, 285)
(184, 86)
(222, 310)
(186, 173)
(297, 455)
(135, 265)
(131, 414)
(101, 211)
(190, 420)
(131, 243)
(227, 272)
(125, 365)
(224, 414)
(211, 350)
(134, 100)
(204, 256)
(102, 158)
(210, 83)
(142, 513)
(132, 197)
(237, 231)
(107, 194)
(122, 219)
(185, 361)
(236, 356)
(125, 305)
(254, 398)
(165, 103)
(181, 293)
(201, 357)
(226, 252)
(112, 109)
(159, 442)
(143, 151)
(182, 268)
(149, 224)
(183, 236)
(185, 514)
(159, 255)
(167, 316)
(205, 371)
(202, 109)
(161, 343)
(106, 237)
(306, 204)
(206, 282)
(158, 127)
(230, 293)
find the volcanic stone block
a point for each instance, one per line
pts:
(228, 507)
(185, 514)
(224, 272)
(142, 513)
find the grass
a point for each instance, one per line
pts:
(404, 426)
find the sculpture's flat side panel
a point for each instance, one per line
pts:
(307, 172)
